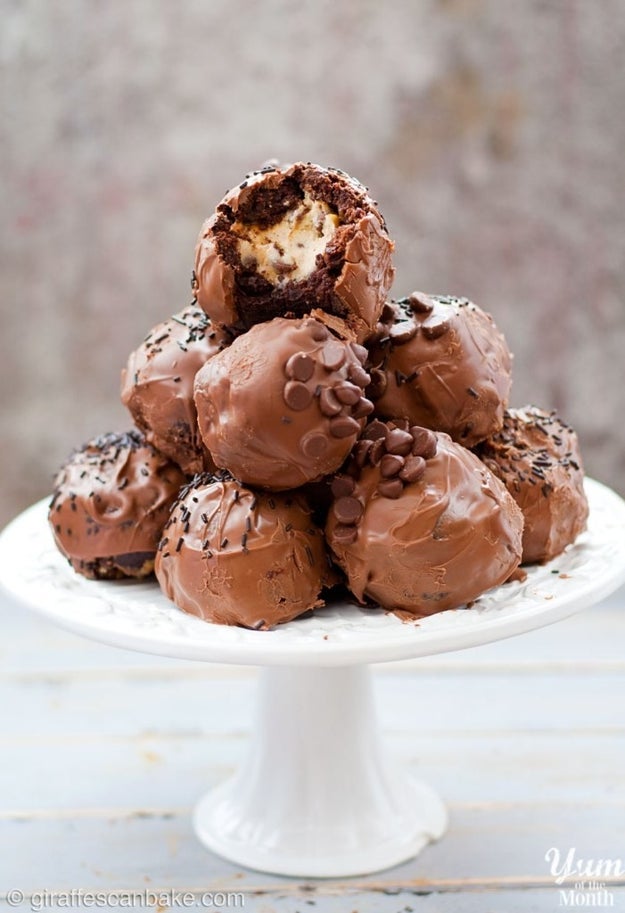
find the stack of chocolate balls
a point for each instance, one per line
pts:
(298, 430)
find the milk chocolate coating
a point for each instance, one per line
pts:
(537, 456)
(157, 385)
(111, 500)
(430, 534)
(234, 556)
(350, 275)
(441, 362)
(284, 403)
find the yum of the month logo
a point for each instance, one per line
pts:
(588, 889)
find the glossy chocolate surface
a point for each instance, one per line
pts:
(236, 556)
(283, 405)
(111, 500)
(537, 457)
(427, 539)
(441, 362)
(157, 385)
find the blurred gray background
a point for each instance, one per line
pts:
(491, 133)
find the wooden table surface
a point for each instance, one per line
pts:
(104, 753)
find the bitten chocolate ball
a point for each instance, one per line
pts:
(537, 457)
(157, 385)
(234, 556)
(441, 362)
(111, 500)
(419, 524)
(290, 239)
(284, 403)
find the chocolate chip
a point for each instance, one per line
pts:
(347, 393)
(388, 313)
(297, 395)
(414, 467)
(420, 303)
(376, 451)
(359, 351)
(300, 366)
(347, 510)
(333, 355)
(358, 375)
(342, 486)
(398, 441)
(403, 332)
(433, 327)
(360, 451)
(375, 430)
(314, 444)
(362, 408)
(328, 403)
(424, 442)
(343, 426)
(378, 383)
(318, 331)
(390, 488)
(390, 465)
(344, 535)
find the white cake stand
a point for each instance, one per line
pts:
(317, 797)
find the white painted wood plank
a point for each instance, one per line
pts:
(488, 846)
(394, 901)
(535, 702)
(424, 702)
(144, 773)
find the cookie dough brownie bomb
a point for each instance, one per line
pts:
(157, 385)
(418, 524)
(111, 500)
(240, 557)
(440, 361)
(284, 404)
(537, 456)
(290, 239)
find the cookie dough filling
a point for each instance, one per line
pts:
(288, 250)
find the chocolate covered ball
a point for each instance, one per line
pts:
(157, 385)
(111, 500)
(441, 362)
(284, 403)
(419, 524)
(235, 556)
(537, 457)
(290, 239)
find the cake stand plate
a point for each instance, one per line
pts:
(317, 796)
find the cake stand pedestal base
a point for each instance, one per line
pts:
(317, 795)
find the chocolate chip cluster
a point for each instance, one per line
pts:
(343, 402)
(401, 451)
